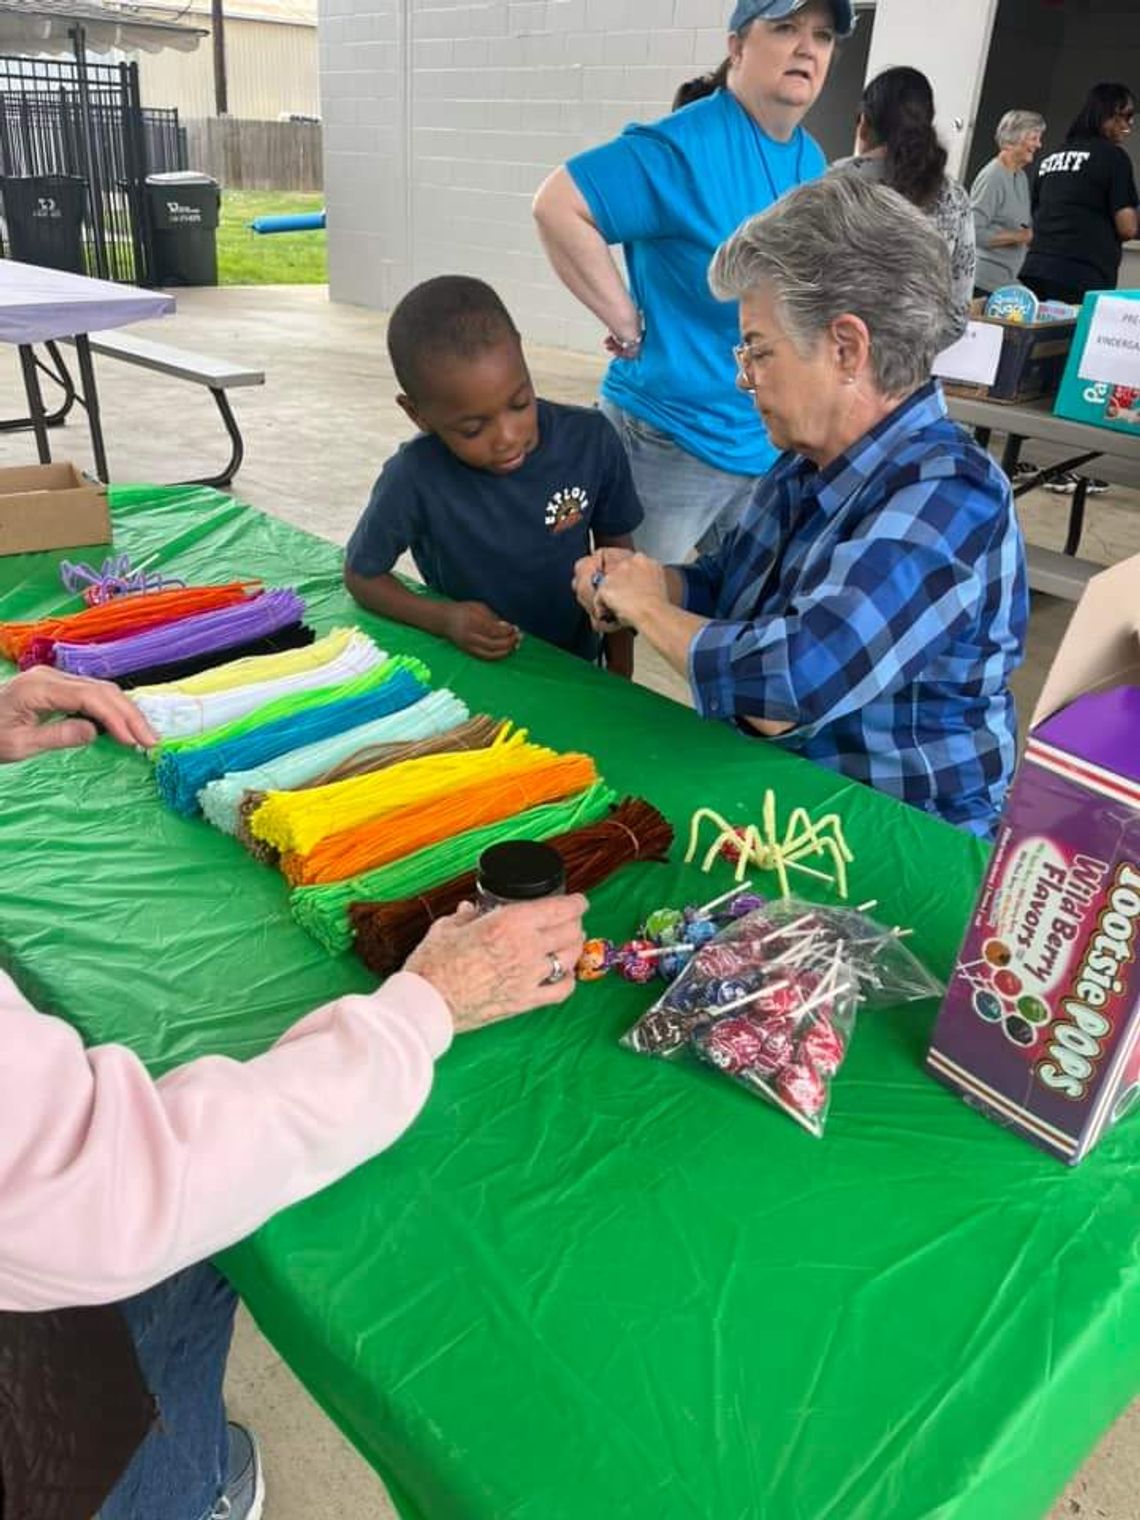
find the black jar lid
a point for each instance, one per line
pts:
(519, 870)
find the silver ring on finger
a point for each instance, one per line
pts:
(556, 973)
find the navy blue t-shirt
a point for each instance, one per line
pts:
(508, 540)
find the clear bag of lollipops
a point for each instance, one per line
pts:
(771, 1001)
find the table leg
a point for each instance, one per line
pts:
(1077, 516)
(91, 402)
(35, 401)
(1011, 453)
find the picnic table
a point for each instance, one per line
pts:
(585, 1283)
(43, 305)
(1103, 452)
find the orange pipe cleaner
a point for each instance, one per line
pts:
(124, 615)
(394, 835)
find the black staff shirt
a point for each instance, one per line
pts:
(1076, 195)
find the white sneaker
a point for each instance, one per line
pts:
(244, 1498)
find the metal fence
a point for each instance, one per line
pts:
(85, 120)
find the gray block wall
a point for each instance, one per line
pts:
(442, 117)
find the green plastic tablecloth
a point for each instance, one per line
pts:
(587, 1284)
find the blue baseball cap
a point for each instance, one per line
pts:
(776, 10)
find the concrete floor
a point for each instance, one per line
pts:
(316, 435)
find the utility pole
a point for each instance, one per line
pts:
(218, 31)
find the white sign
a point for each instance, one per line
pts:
(974, 357)
(1112, 349)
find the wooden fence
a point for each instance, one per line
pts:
(256, 155)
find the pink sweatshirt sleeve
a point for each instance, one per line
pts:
(110, 1181)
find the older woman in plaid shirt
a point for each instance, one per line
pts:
(869, 610)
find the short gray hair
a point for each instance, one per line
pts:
(1015, 124)
(841, 245)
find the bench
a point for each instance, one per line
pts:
(1058, 574)
(217, 375)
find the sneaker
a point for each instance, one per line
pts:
(1024, 467)
(244, 1498)
(1066, 485)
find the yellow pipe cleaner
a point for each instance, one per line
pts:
(296, 821)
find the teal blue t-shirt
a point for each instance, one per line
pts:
(670, 193)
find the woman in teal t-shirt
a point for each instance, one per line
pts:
(671, 193)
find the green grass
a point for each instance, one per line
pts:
(278, 258)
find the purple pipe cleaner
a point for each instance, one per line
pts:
(200, 634)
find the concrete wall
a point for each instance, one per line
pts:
(442, 117)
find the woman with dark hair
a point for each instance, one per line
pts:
(896, 144)
(1084, 202)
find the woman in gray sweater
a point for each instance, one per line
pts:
(1003, 223)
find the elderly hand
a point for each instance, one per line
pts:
(491, 967)
(589, 570)
(632, 583)
(29, 701)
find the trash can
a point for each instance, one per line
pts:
(44, 215)
(183, 210)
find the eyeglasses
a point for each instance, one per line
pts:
(747, 357)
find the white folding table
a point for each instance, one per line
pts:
(42, 305)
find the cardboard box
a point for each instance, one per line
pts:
(1041, 1023)
(51, 506)
(1033, 357)
(1100, 402)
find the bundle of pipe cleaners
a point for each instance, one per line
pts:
(323, 910)
(178, 713)
(33, 643)
(296, 822)
(387, 932)
(223, 801)
(199, 634)
(184, 766)
(476, 733)
(529, 782)
(235, 673)
(292, 636)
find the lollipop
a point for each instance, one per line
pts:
(664, 926)
(732, 1044)
(633, 964)
(595, 960)
(698, 931)
(802, 1089)
(822, 1048)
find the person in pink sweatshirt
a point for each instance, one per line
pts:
(109, 1181)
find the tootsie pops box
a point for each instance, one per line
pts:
(1041, 1024)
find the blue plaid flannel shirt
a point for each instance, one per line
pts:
(880, 605)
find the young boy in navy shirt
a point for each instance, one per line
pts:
(499, 495)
